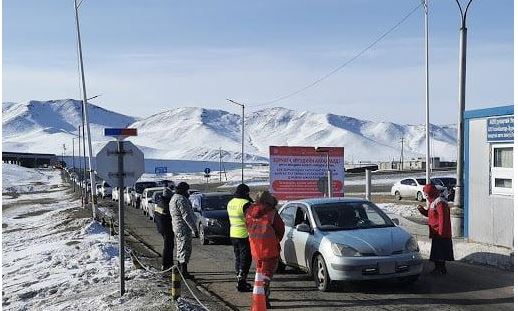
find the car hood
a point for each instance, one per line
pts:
(378, 241)
(215, 214)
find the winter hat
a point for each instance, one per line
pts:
(242, 191)
(431, 192)
(267, 198)
(182, 187)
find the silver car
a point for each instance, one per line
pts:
(338, 239)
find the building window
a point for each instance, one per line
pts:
(502, 169)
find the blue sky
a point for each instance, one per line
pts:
(148, 56)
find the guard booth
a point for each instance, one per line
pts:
(488, 175)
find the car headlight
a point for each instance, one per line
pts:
(344, 250)
(411, 245)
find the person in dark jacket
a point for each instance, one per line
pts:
(236, 209)
(265, 231)
(439, 227)
(165, 227)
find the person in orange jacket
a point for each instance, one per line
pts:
(265, 231)
(439, 227)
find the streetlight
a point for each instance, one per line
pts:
(73, 162)
(85, 109)
(329, 176)
(427, 90)
(242, 138)
(457, 210)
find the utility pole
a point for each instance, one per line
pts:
(402, 162)
(73, 162)
(427, 123)
(85, 110)
(457, 213)
(242, 138)
(220, 164)
(80, 174)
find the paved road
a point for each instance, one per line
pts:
(467, 287)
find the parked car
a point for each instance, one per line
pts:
(166, 183)
(147, 200)
(115, 194)
(106, 189)
(447, 182)
(139, 187)
(342, 239)
(411, 188)
(211, 215)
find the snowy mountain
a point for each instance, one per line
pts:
(198, 133)
(44, 126)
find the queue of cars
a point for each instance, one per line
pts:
(332, 239)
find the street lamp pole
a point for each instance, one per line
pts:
(85, 111)
(73, 162)
(457, 210)
(328, 173)
(427, 123)
(242, 138)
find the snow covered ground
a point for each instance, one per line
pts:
(20, 179)
(53, 260)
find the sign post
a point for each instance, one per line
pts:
(207, 174)
(128, 163)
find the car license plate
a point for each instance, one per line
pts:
(387, 267)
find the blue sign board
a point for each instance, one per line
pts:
(500, 129)
(160, 170)
(207, 170)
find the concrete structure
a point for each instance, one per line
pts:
(411, 165)
(29, 159)
(488, 175)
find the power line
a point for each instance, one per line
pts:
(335, 70)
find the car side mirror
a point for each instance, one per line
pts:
(395, 221)
(303, 228)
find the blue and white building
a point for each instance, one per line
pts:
(488, 176)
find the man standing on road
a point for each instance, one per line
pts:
(184, 226)
(236, 209)
(165, 227)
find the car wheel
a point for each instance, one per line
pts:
(281, 267)
(419, 196)
(201, 235)
(397, 195)
(321, 275)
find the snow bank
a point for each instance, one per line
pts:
(53, 260)
(406, 211)
(18, 179)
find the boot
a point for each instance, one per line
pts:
(267, 293)
(242, 285)
(183, 270)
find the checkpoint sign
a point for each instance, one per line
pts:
(107, 163)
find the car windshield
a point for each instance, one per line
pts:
(150, 193)
(349, 216)
(139, 187)
(215, 202)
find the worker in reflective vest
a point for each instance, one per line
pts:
(236, 209)
(265, 231)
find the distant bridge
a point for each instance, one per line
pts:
(29, 159)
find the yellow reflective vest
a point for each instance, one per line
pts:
(237, 218)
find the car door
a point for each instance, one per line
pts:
(413, 188)
(301, 239)
(405, 188)
(288, 255)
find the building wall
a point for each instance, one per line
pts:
(490, 217)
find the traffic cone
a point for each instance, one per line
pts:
(258, 294)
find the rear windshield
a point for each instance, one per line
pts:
(139, 187)
(216, 202)
(349, 216)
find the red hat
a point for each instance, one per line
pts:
(431, 191)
